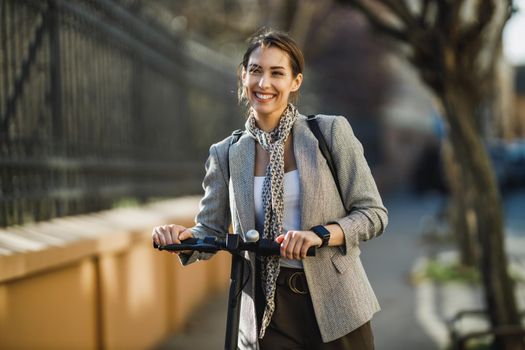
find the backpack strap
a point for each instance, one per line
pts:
(323, 147)
(236, 135)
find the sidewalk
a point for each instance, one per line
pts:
(412, 316)
(205, 330)
(388, 261)
(439, 302)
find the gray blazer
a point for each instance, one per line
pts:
(341, 294)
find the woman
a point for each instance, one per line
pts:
(274, 178)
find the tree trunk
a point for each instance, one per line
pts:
(462, 216)
(470, 150)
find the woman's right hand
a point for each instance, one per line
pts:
(171, 234)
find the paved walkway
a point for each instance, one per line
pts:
(389, 260)
(437, 303)
(205, 330)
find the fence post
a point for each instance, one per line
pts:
(55, 92)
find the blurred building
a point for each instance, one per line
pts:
(413, 128)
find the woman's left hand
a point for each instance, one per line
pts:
(295, 244)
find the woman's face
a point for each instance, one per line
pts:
(268, 81)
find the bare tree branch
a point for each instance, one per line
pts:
(443, 13)
(497, 47)
(377, 22)
(455, 20)
(484, 13)
(401, 11)
(424, 13)
(471, 36)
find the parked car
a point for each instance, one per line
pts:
(508, 159)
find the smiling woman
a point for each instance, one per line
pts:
(270, 76)
(275, 179)
(268, 82)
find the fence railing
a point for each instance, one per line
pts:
(100, 104)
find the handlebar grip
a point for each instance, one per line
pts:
(183, 244)
(270, 247)
(311, 251)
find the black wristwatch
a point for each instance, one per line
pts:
(323, 233)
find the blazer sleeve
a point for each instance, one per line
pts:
(214, 216)
(367, 217)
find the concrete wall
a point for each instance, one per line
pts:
(95, 282)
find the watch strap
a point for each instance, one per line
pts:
(323, 233)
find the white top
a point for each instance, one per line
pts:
(292, 208)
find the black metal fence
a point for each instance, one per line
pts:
(99, 103)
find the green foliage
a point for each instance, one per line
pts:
(450, 271)
(517, 274)
(475, 345)
(480, 347)
(126, 202)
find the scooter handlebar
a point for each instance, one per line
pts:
(264, 247)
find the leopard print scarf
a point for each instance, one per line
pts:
(273, 198)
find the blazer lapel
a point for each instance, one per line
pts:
(242, 160)
(306, 156)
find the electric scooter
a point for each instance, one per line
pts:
(235, 245)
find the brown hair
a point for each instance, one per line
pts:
(268, 38)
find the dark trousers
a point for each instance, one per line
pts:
(293, 324)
